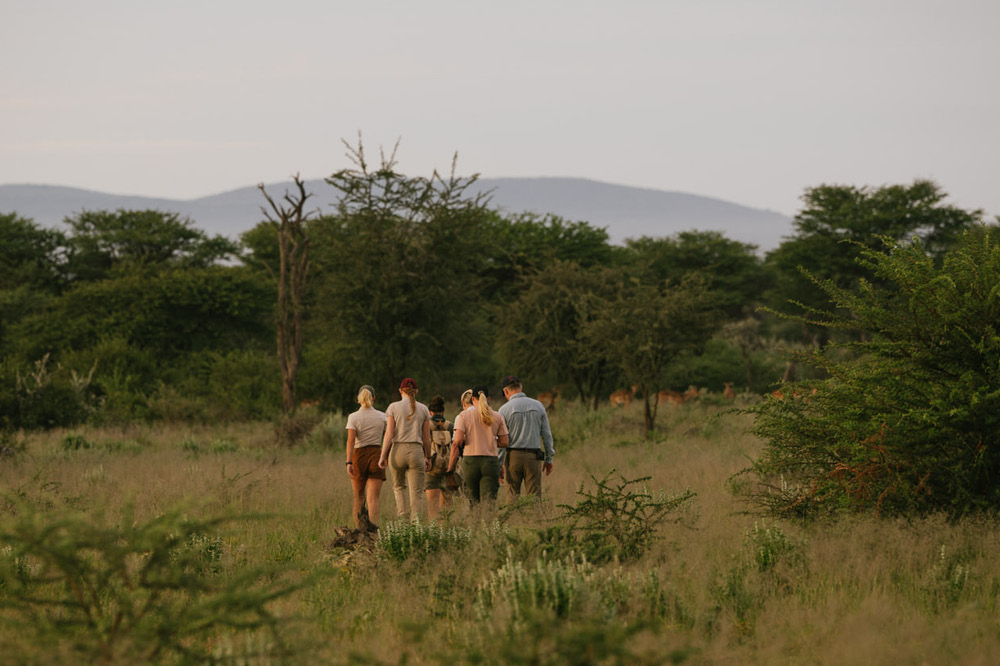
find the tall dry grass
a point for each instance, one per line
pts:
(723, 586)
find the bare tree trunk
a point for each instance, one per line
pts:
(293, 267)
(649, 413)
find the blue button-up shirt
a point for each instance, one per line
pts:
(528, 425)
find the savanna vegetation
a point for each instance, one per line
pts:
(214, 544)
(172, 409)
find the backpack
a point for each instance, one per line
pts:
(440, 445)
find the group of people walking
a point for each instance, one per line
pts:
(431, 459)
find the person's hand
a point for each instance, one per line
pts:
(350, 471)
(383, 463)
(547, 467)
(427, 464)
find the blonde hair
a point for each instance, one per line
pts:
(466, 398)
(485, 413)
(365, 397)
(411, 393)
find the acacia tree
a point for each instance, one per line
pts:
(542, 330)
(908, 416)
(396, 269)
(731, 269)
(102, 244)
(647, 327)
(289, 222)
(839, 222)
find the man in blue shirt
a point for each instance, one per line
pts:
(530, 450)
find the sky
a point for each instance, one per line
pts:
(747, 101)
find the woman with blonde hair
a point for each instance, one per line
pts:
(364, 437)
(406, 446)
(483, 432)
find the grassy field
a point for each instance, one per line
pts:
(720, 584)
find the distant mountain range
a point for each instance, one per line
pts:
(625, 212)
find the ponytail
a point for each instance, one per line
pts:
(485, 413)
(411, 393)
(366, 396)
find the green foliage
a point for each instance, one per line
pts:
(908, 419)
(241, 384)
(29, 255)
(167, 313)
(104, 243)
(617, 519)
(42, 397)
(520, 245)
(558, 586)
(542, 330)
(769, 545)
(646, 328)
(839, 222)
(395, 270)
(731, 270)
(129, 592)
(402, 540)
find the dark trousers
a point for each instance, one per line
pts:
(482, 476)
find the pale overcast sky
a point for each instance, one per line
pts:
(748, 101)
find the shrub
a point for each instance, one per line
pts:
(556, 585)
(907, 420)
(294, 429)
(41, 397)
(769, 545)
(615, 520)
(134, 592)
(400, 540)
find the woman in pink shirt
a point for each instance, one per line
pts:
(483, 432)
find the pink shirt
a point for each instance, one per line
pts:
(480, 439)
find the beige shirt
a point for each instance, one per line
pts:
(480, 439)
(408, 428)
(369, 425)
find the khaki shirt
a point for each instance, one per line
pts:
(408, 428)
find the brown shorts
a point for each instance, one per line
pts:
(366, 463)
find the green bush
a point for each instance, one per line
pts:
(616, 520)
(41, 396)
(907, 419)
(129, 592)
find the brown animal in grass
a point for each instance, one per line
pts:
(549, 399)
(676, 397)
(622, 397)
(728, 393)
(778, 394)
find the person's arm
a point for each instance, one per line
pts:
(547, 444)
(503, 435)
(426, 433)
(352, 436)
(390, 430)
(456, 448)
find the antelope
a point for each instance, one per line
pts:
(549, 399)
(676, 397)
(622, 397)
(728, 392)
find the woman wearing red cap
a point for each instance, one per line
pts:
(406, 446)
